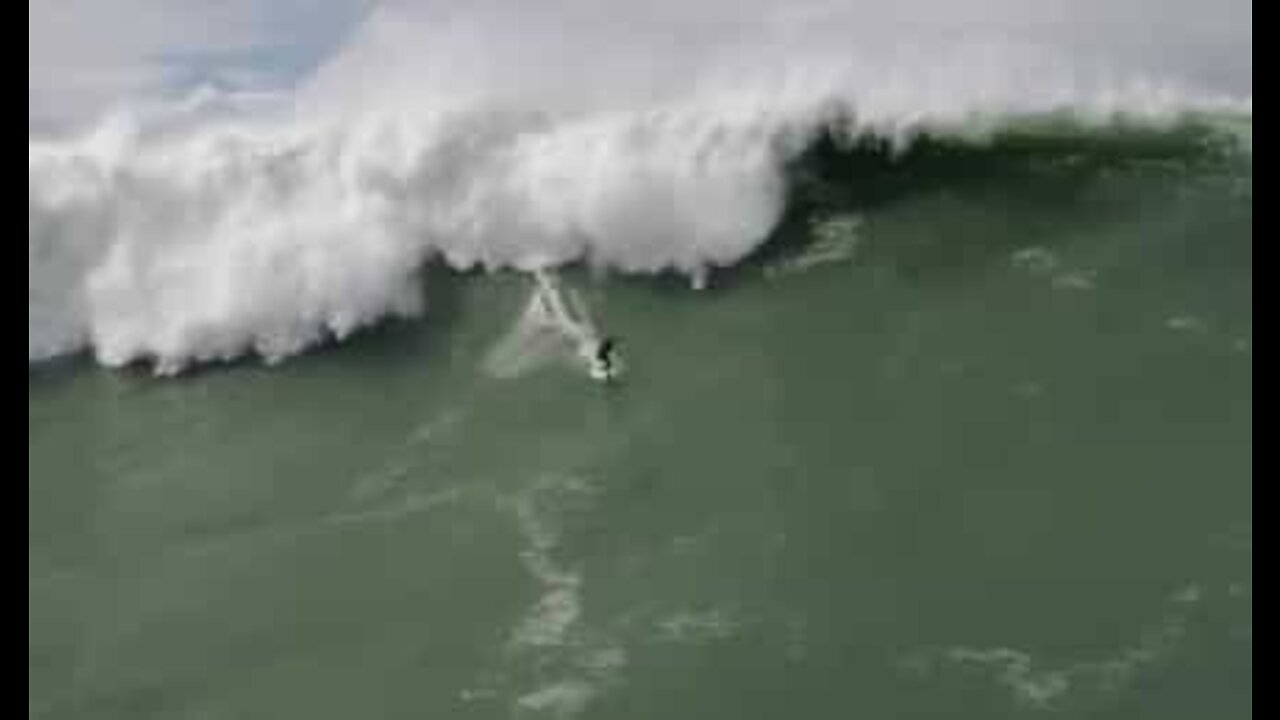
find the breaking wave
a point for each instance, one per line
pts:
(228, 225)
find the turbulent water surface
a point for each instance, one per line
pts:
(936, 336)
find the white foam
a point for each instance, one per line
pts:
(546, 331)
(409, 504)
(562, 699)
(1015, 670)
(1035, 260)
(1031, 684)
(697, 627)
(552, 632)
(1042, 262)
(1187, 324)
(555, 613)
(1075, 280)
(835, 240)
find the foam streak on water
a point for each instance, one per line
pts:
(1080, 684)
(572, 663)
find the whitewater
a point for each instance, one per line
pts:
(220, 223)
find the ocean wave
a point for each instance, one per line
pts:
(221, 227)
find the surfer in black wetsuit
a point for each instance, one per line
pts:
(604, 356)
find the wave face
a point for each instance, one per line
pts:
(499, 137)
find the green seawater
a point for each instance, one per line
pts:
(971, 438)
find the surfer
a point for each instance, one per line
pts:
(604, 357)
(551, 307)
